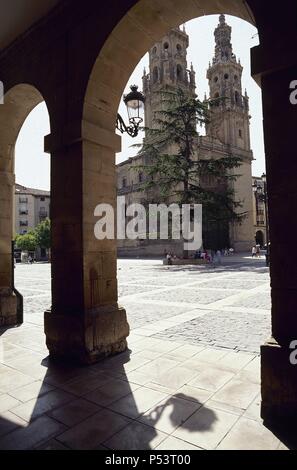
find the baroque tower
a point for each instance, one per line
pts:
(230, 114)
(167, 67)
(230, 124)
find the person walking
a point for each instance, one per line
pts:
(254, 251)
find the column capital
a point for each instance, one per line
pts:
(82, 131)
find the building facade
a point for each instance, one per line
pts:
(259, 212)
(32, 206)
(227, 134)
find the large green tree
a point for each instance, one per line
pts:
(175, 171)
(43, 234)
(26, 242)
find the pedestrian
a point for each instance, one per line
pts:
(219, 256)
(258, 253)
(169, 258)
(254, 251)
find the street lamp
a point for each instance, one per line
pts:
(134, 102)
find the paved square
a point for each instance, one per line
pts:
(190, 379)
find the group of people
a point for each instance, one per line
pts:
(256, 251)
(213, 256)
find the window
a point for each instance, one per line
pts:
(178, 47)
(23, 223)
(235, 78)
(140, 177)
(179, 72)
(240, 133)
(23, 212)
(236, 97)
(23, 200)
(166, 45)
(124, 183)
(226, 76)
(155, 75)
(216, 79)
(42, 199)
(155, 50)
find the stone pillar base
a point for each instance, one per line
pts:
(278, 383)
(87, 338)
(8, 308)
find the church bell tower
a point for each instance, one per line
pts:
(230, 111)
(167, 67)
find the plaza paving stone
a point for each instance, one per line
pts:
(190, 379)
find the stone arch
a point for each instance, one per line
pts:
(145, 24)
(19, 101)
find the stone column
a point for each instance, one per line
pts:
(8, 299)
(85, 322)
(277, 68)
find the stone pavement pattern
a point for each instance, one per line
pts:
(175, 389)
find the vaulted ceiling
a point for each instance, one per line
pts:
(17, 16)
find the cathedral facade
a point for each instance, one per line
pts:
(227, 133)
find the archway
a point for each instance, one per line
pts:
(259, 238)
(144, 24)
(19, 101)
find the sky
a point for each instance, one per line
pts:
(33, 166)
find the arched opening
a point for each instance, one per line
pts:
(18, 103)
(32, 202)
(120, 69)
(179, 73)
(259, 238)
(155, 75)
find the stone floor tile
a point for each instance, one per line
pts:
(111, 392)
(248, 434)
(30, 391)
(136, 436)
(38, 431)
(157, 368)
(235, 360)
(12, 379)
(206, 428)
(9, 422)
(38, 406)
(194, 393)
(237, 393)
(172, 443)
(175, 378)
(52, 445)
(7, 402)
(138, 402)
(93, 431)
(83, 385)
(74, 412)
(211, 355)
(212, 378)
(254, 410)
